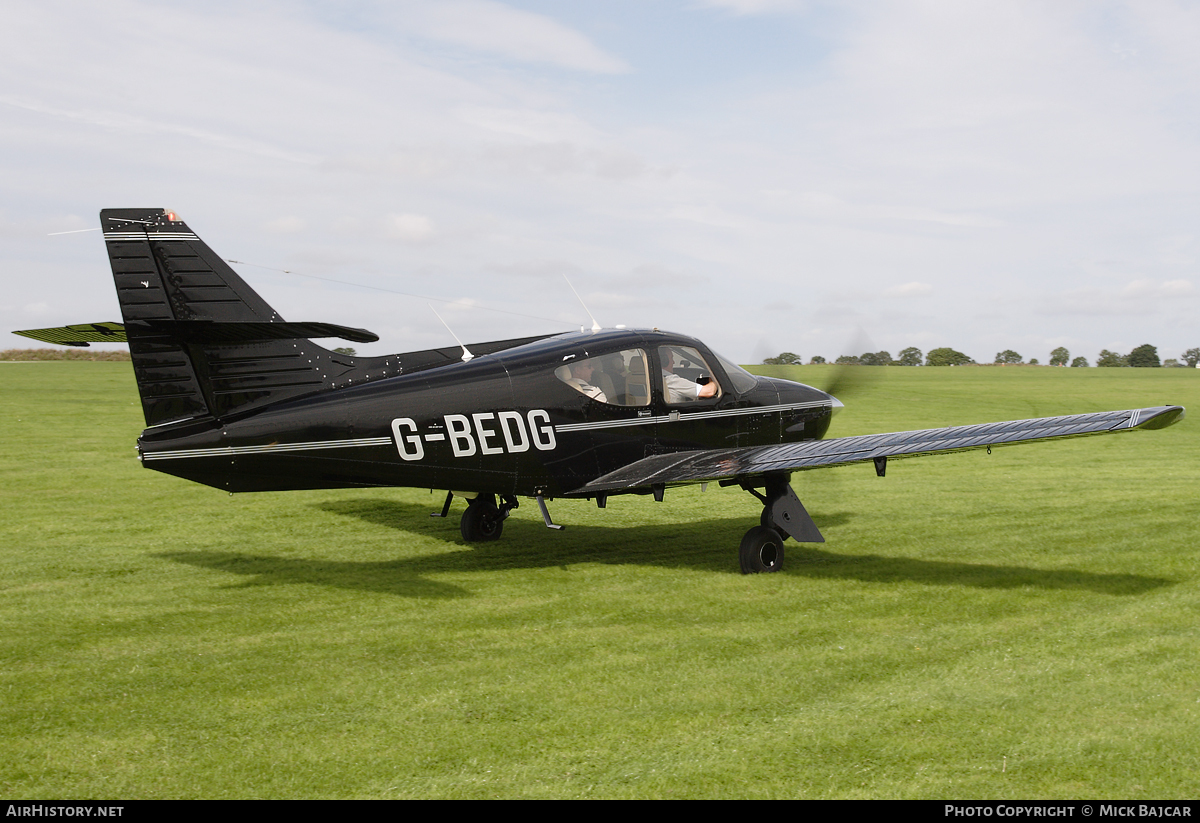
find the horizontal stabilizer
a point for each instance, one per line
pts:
(198, 331)
(82, 334)
(243, 331)
(720, 464)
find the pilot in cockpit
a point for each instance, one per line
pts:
(680, 389)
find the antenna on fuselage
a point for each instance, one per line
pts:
(595, 325)
(466, 355)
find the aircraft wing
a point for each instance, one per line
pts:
(705, 465)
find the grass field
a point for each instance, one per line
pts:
(1023, 624)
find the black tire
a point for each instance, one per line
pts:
(482, 520)
(761, 551)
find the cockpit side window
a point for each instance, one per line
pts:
(685, 372)
(618, 379)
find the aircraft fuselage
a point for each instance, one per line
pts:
(505, 423)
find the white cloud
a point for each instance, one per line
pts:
(45, 225)
(563, 158)
(458, 306)
(757, 6)
(494, 28)
(850, 153)
(826, 206)
(1139, 297)
(286, 225)
(123, 122)
(412, 228)
(1149, 289)
(537, 269)
(541, 125)
(712, 216)
(910, 290)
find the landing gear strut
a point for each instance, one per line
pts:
(483, 519)
(783, 516)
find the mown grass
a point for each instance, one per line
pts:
(1018, 625)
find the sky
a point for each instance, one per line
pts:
(823, 178)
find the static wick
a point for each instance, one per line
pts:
(466, 355)
(72, 231)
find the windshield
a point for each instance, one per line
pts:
(743, 381)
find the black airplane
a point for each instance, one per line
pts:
(237, 398)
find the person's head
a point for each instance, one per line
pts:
(668, 359)
(583, 370)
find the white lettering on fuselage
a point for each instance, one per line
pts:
(516, 439)
(484, 433)
(409, 444)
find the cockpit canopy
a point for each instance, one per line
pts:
(623, 378)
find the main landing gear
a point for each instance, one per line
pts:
(484, 519)
(761, 551)
(783, 516)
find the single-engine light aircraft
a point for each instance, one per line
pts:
(237, 398)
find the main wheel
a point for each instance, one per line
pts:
(482, 520)
(761, 551)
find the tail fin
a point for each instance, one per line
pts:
(203, 342)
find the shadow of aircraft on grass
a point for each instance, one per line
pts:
(697, 545)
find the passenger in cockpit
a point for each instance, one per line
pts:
(580, 380)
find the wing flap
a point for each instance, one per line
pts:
(720, 464)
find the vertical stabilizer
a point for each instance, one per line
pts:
(203, 342)
(166, 378)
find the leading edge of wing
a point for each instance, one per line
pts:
(718, 464)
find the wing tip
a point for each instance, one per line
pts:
(1159, 417)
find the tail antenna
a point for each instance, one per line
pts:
(595, 325)
(466, 355)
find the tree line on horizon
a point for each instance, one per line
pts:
(1144, 356)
